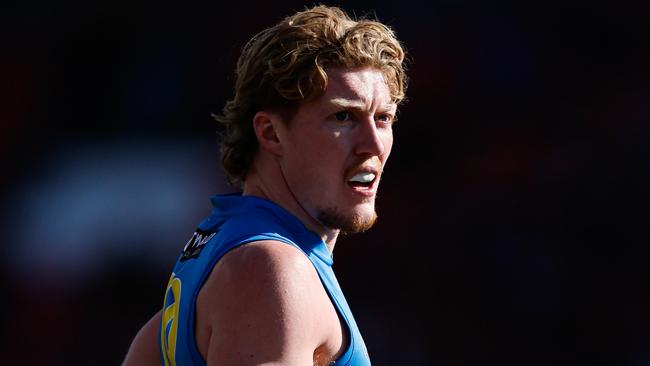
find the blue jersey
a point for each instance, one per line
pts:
(237, 220)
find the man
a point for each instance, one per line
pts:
(308, 133)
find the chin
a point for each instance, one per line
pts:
(355, 221)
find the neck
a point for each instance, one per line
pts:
(270, 184)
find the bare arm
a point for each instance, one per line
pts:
(265, 305)
(144, 349)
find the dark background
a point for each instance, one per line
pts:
(513, 215)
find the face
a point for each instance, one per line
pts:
(335, 148)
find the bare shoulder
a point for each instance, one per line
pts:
(266, 257)
(264, 302)
(272, 273)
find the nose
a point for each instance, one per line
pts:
(370, 140)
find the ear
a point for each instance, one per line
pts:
(269, 131)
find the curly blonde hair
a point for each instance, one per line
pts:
(284, 65)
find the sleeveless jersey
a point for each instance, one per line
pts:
(237, 220)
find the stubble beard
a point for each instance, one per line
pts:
(348, 224)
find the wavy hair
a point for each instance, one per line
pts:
(284, 65)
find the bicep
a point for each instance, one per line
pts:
(144, 348)
(260, 308)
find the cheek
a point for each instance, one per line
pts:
(312, 159)
(322, 149)
(388, 143)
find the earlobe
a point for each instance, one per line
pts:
(266, 127)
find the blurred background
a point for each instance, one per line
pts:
(513, 213)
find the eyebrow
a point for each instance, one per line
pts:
(357, 104)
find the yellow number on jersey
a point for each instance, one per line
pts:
(170, 320)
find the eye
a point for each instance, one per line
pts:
(343, 116)
(385, 118)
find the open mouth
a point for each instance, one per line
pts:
(362, 180)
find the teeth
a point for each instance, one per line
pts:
(363, 177)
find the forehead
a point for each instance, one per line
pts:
(366, 85)
(359, 89)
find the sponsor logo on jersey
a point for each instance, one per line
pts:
(196, 243)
